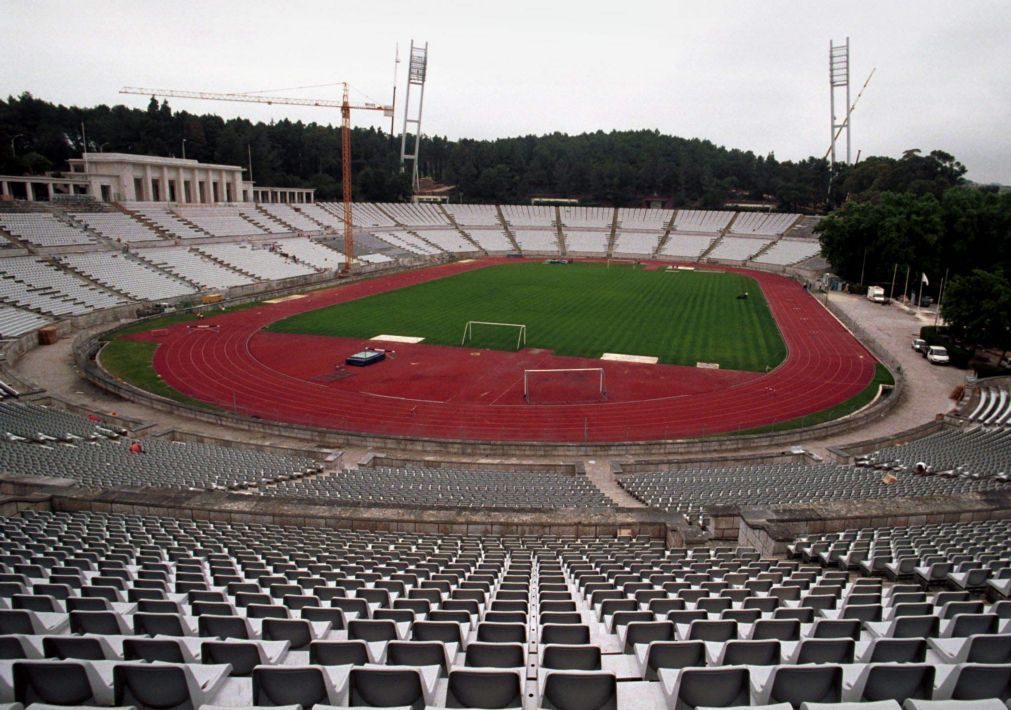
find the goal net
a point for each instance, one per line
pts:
(497, 336)
(564, 385)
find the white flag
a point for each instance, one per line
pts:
(925, 282)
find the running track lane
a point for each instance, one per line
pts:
(825, 365)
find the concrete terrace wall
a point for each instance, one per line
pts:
(769, 530)
(63, 495)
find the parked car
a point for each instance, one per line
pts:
(920, 345)
(937, 355)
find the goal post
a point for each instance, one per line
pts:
(570, 384)
(521, 331)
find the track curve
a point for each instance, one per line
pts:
(231, 362)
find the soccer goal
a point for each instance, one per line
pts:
(564, 385)
(484, 326)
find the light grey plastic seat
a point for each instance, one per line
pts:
(55, 683)
(797, 684)
(484, 688)
(584, 657)
(494, 655)
(895, 681)
(292, 685)
(339, 653)
(386, 687)
(568, 690)
(707, 687)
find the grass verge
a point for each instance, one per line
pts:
(133, 360)
(881, 377)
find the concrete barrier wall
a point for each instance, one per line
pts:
(847, 453)
(769, 530)
(567, 469)
(229, 507)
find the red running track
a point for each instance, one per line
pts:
(438, 392)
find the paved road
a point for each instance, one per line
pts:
(928, 387)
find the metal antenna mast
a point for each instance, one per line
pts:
(839, 79)
(416, 71)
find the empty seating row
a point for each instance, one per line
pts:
(319, 213)
(43, 230)
(447, 488)
(309, 252)
(994, 405)
(118, 226)
(29, 420)
(47, 442)
(163, 218)
(974, 452)
(964, 557)
(474, 215)
(407, 242)
(449, 240)
(192, 266)
(219, 221)
(414, 214)
(652, 220)
(247, 613)
(491, 240)
(538, 241)
(529, 216)
(690, 246)
(15, 322)
(35, 283)
(589, 243)
(290, 217)
(636, 243)
(587, 217)
(705, 221)
(737, 248)
(789, 251)
(770, 224)
(690, 491)
(258, 261)
(128, 275)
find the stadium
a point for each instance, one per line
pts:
(261, 449)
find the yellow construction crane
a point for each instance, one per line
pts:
(344, 105)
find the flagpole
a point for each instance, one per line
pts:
(940, 296)
(919, 299)
(905, 289)
(891, 291)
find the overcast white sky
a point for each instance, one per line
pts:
(741, 73)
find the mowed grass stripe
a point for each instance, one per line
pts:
(582, 310)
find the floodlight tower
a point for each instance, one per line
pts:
(417, 68)
(839, 81)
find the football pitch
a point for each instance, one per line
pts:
(581, 309)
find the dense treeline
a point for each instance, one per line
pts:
(917, 216)
(618, 168)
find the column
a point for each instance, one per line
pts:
(49, 189)
(166, 193)
(148, 188)
(180, 186)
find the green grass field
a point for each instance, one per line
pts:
(577, 309)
